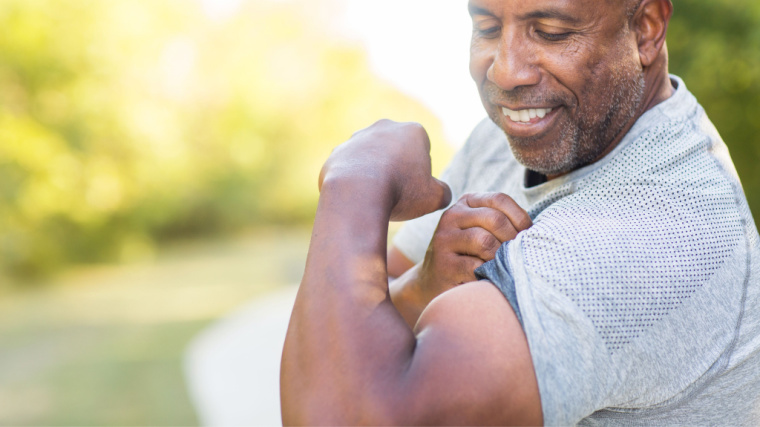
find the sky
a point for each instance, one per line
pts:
(419, 46)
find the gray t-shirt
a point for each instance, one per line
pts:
(638, 286)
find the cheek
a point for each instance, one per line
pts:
(480, 61)
(575, 68)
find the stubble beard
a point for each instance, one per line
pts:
(582, 141)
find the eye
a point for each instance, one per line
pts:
(488, 28)
(488, 33)
(553, 37)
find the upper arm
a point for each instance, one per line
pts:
(471, 364)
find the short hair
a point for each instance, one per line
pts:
(632, 6)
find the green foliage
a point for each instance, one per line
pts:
(715, 47)
(126, 123)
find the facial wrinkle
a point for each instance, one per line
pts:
(582, 141)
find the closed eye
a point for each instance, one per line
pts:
(488, 33)
(553, 37)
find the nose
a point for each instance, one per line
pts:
(514, 63)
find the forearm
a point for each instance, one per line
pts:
(345, 338)
(407, 299)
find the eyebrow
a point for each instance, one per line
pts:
(538, 14)
(475, 10)
(551, 14)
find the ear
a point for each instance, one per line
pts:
(650, 22)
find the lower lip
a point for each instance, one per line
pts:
(533, 128)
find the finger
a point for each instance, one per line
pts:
(491, 220)
(467, 265)
(460, 269)
(434, 196)
(503, 203)
(477, 242)
(443, 193)
(446, 274)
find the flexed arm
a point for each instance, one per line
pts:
(349, 357)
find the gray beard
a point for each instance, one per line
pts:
(590, 136)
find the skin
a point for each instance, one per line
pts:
(468, 234)
(350, 357)
(597, 78)
(588, 70)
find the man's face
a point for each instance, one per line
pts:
(562, 78)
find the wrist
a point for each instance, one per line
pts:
(363, 191)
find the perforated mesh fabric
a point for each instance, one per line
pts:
(636, 238)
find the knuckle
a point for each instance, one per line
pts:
(501, 222)
(456, 211)
(464, 200)
(416, 129)
(468, 199)
(486, 242)
(441, 237)
(448, 215)
(415, 126)
(502, 199)
(524, 222)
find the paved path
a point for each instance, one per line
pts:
(233, 367)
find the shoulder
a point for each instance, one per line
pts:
(649, 227)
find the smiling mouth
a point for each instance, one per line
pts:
(525, 115)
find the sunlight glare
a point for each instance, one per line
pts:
(220, 10)
(422, 47)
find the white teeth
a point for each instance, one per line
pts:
(514, 115)
(526, 115)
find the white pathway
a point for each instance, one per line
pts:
(233, 367)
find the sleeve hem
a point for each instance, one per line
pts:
(497, 271)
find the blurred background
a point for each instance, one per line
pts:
(158, 164)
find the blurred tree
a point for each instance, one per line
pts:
(130, 122)
(715, 47)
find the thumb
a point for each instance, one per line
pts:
(442, 193)
(436, 195)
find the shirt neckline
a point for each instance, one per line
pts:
(679, 104)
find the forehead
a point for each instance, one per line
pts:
(571, 11)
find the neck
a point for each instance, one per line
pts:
(661, 87)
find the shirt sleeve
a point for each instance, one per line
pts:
(610, 335)
(571, 365)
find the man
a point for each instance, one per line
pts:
(628, 292)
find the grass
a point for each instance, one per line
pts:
(104, 345)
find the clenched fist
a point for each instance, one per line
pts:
(391, 162)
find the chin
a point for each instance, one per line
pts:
(550, 161)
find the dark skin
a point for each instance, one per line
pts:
(455, 252)
(468, 234)
(350, 357)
